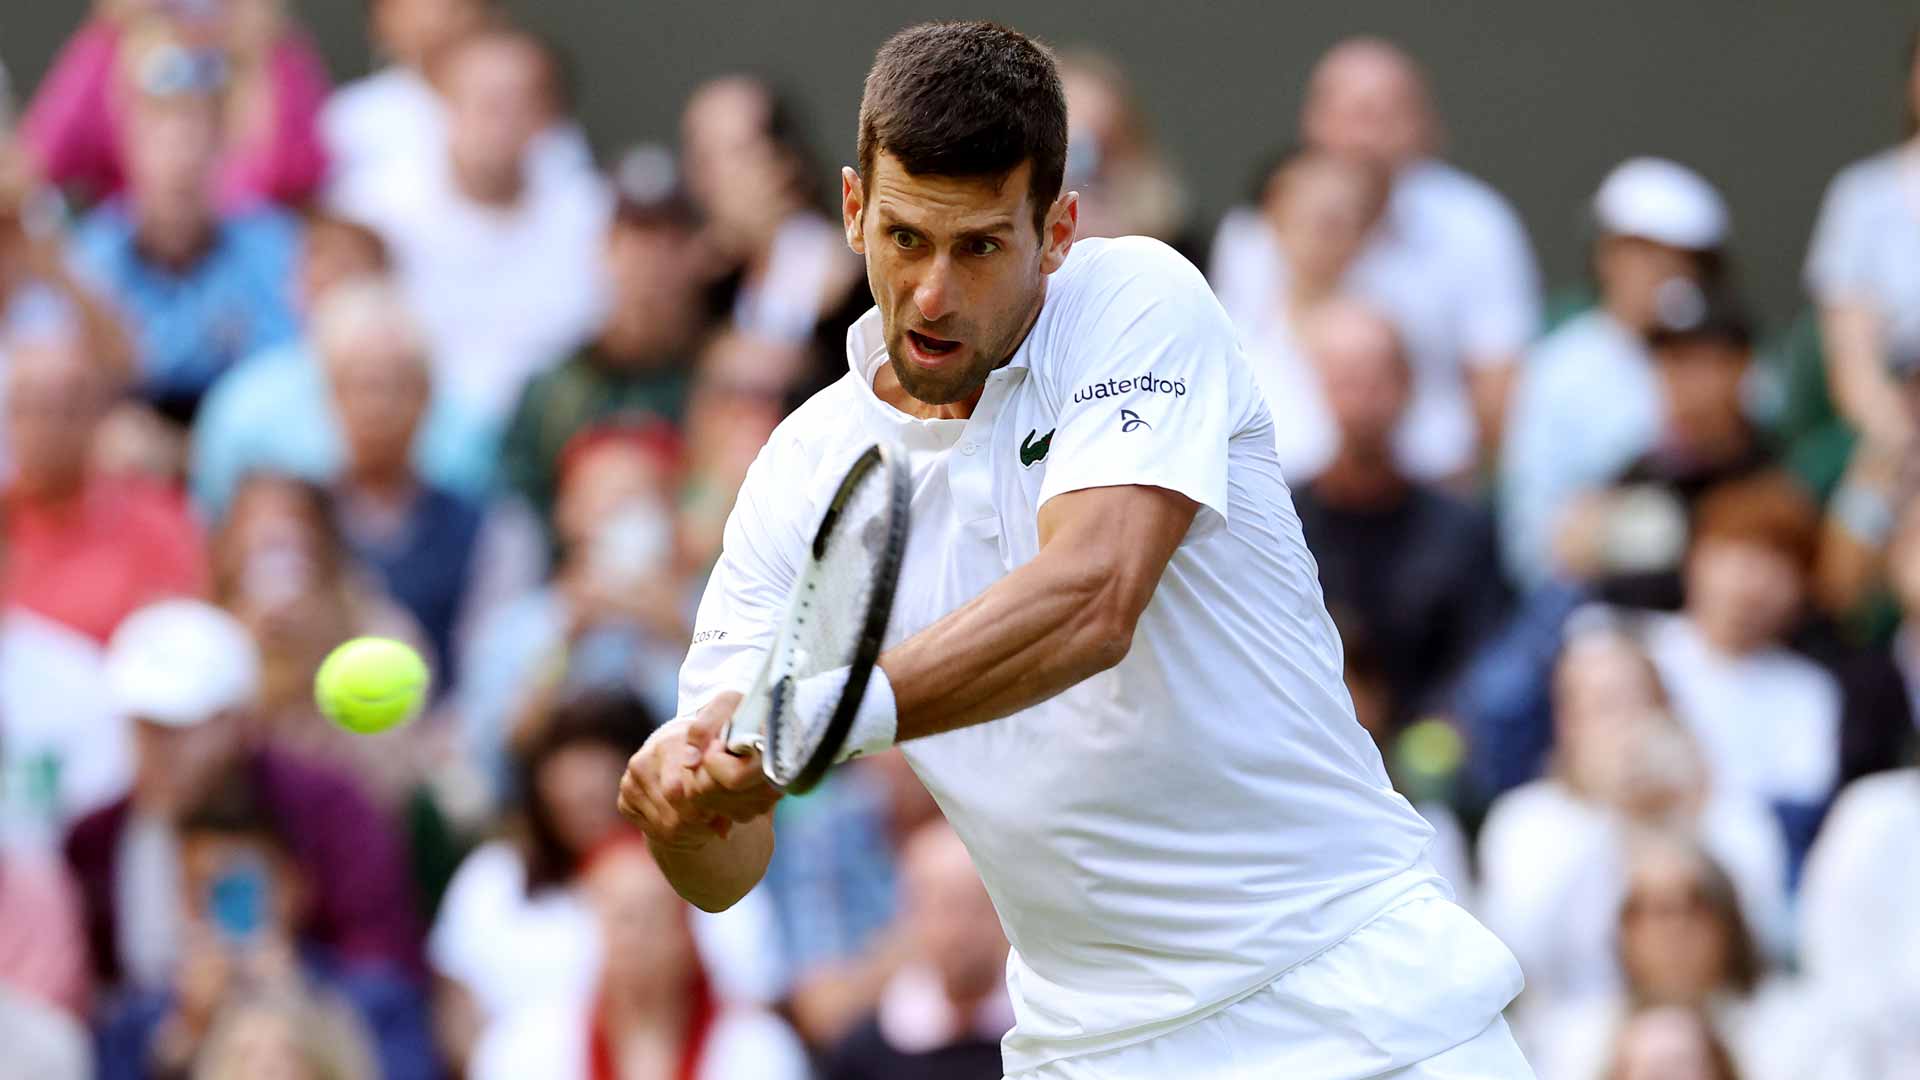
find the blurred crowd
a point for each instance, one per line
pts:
(1623, 568)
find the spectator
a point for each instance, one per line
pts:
(1669, 1043)
(420, 539)
(1552, 851)
(941, 1015)
(640, 365)
(752, 179)
(242, 900)
(615, 614)
(1630, 538)
(1127, 186)
(202, 288)
(83, 550)
(270, 413)
(1683, 943)
(77, 122)
(1864, 275)
(189, 676)
(1321, 209)
(654, 1014)
(499, 264)
(1859, 928)
(394, 121)
(1405, 558)
(734, 406)
(1589, 402)
(1451, 251)
(39, 292)
(282, 1036)
(282, 567)
(1767, 719)
(43, 943)
(1879, 730)
(64, 747)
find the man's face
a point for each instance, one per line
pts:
(653, 269)
(54, 404)
(497, 104)
(1702, 380)
(956, 267)
(1322, 211)
(1368, 104)
(949, 915)
(410, 30)
(1632, 270)
(171, 146)
(380, 391)
(1362, 373)
(1748, 591)
(174, 766)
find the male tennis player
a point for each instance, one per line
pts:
(1109, 659)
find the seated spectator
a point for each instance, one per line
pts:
(43, 941)
(1451, 251)
(1629, 539)
(501, 266)
(83, 550)
(654, 1013)
(640, 364)
(282, 567)
(1669, 1043)
(1859, 928)
(1321, 209)
(1863, 272)
(39, 292)
(189, 676)
(617, 611)
(64, 747)
(1767, 719)
(1127, 185)
(1588, 402)
(751, 176)
(420, 539)
(1406, 559)
(394, 121)
(1683, 943)
(270, 413)
(941, 1016)
(1552, 851)
(76, 121)
(732, 409)
(201, 288)
(243, 900)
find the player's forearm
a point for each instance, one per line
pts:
(714, 875)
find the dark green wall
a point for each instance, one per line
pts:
(1767, 97)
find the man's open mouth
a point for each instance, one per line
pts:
(932, 346)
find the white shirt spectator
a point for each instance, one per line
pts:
(1859, 924)
(393, 120)
(1768, 722)
(501, 293)
(1586, 404)
(1866, 246)
(808, 256)
(1449, 262)
(1553, 872)
(64, 747)
(552, 1041)
(515, 952)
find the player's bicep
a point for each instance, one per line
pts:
(1123, 537)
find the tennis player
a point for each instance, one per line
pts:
(1108, 659)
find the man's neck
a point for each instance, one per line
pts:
(498, 191)
(175, 242)
(388, 487)
(655, 1015)
(1361, 480)
(1723, 639)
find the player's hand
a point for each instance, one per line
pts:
(684, 790)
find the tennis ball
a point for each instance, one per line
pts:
(371, 684)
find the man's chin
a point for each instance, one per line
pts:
(943, 389)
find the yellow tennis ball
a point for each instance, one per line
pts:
(371, 684)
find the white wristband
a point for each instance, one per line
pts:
(875, 722)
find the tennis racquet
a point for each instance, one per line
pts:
(834, 620)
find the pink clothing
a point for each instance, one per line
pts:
(90, 562)
(73, 121)
(43, 952)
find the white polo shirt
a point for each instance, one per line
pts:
(1170, 835)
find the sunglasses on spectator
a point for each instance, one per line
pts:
(176, 71)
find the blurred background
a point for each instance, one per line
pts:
(1592, 337)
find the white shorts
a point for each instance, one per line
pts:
(1415, 994)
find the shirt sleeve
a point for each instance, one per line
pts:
(1152, 384)
(1837, 266)
(747, 593)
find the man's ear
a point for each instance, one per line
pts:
(852, 202)
(1057, 232)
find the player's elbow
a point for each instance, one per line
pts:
(1103, 634)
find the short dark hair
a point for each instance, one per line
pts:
(967, 99)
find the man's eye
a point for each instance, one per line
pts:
(985, 247)
(904, 239)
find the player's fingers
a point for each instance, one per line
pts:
(731, 773)
(711, 720)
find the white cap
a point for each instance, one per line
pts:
(1663, 201)
(179, 662)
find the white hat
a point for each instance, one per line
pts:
(179, 662)
(1663, 201)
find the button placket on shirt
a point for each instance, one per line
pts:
(970, 472)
